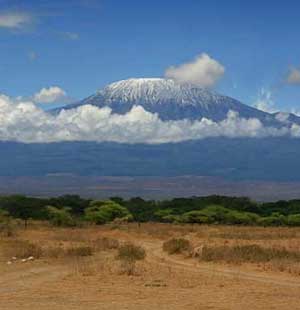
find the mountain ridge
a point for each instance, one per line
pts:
(171, 101)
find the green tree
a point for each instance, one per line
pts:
(101, 212)
(60, 216)
(23, 207)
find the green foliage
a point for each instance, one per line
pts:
(202, 210)
(293, 220)
(165, 215)
(60, 216)
(219, 215)
(211, 214)
(101, 212)
(76, 204)
(241, 218)
(275, 219)
(23, 207)
(142, 210)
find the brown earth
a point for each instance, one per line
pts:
(161, 282)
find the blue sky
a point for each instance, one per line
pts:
(80, 46)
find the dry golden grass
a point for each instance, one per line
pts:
(251, 253)
(105, 243)
(257, 233)
(20, 249)
(265, 248)
(79, 268)
(80, 251)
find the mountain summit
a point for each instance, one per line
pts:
(170, 100)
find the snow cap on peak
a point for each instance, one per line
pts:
(154, 90)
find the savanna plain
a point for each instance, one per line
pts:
(149, 266)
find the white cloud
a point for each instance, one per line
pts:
(293, 76)
(204, 71)
(25, 122)
(50, 95)
(15, 20)
(264, 101)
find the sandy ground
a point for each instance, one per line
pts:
(162, 282)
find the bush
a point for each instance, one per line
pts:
(176, 246)
(101, 212)
(80, 251)
(241, 218)
(275, 219)
(60, 217)
(293, 220)
(129, 254)
(106, 243)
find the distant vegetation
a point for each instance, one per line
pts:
(72, 210)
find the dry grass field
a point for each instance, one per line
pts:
(151, 266)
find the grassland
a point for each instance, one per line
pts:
(149, 266)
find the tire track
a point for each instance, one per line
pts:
(155, 254)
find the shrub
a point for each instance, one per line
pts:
(106, 243)
(176, 246)
(275, 219)
(293, 220)
(129, 254)
(80, 251)
(60, 216)
(241, 218)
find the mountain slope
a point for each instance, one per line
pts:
(172, 101)
(275, 159)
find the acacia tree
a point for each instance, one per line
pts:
(101, 212)
(22, 207)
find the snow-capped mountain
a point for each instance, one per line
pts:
(265, 156)
(172, 101)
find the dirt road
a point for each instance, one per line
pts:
(156, 254)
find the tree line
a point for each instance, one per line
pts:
(71, 210)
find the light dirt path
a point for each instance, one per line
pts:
(156, 254)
